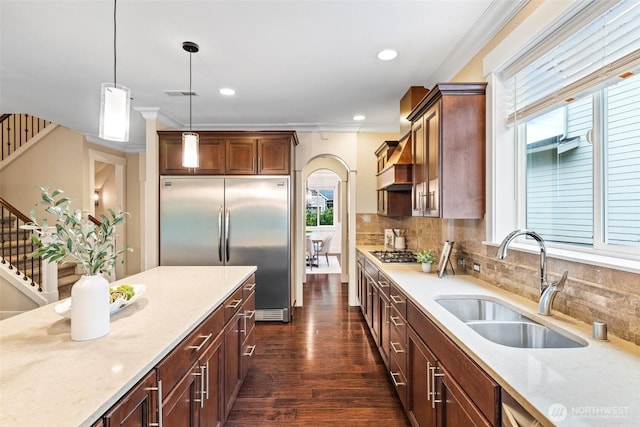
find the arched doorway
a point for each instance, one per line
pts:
(337, 167)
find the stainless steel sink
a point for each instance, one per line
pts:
(523, 335)
(470, 309)
(504, 325)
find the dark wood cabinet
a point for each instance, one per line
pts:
(242, 156)
(181, 406)
(420, 407)
(457, 389)
(248, 335)
(211, 155)
(437, 383)
(458, 409)
(137, 408)
(232, 361)
(394, 177)
(197, 382)
(448, 133)
(230, 153)
(211, 366)
(274, 156)
(385, 313)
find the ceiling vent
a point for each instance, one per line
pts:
(179, 93)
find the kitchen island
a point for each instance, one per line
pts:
(47, 379)
(594, 385)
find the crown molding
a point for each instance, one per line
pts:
(495, 17)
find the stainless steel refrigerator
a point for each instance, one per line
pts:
(232, 221)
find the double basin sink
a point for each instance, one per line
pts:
(504, 325)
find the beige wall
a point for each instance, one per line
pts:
(133, 263)
(56, 161)
(61, 160)
(368, 143)
(472, 71)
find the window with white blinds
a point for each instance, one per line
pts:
(573, 61)
(573, 106)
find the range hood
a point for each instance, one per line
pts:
(397, 175)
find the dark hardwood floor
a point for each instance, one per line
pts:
(320, 369)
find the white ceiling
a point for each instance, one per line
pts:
(303, 65)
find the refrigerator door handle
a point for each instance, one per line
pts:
(226, 233)
(220, 234)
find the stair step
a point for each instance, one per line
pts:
(64, 291)
(68, 280)
(65, 270)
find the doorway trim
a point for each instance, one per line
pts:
(347, 186)
(119, 164)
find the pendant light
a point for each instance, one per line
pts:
(114, 102)
(190, 140)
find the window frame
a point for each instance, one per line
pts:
(506, 164)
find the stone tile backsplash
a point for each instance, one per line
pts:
(591, 292)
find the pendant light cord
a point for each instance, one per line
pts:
(190, 92)
(114, 42)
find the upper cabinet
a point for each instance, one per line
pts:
(212, 154)
(230, 153)
(258, 156)
(448, 132)
(394, 179)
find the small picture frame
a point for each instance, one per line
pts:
(444, 258)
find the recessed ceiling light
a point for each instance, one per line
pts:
(227, 91)
(358, 117)
(387, 54)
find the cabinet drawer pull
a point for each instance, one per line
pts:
(249, 314)
(159, 401)
(201, 375)
(433, 384)
(396, 350)
(395, 321)
(383, 284)
(235, 303)
(206, 366)
(396, 382)
(204, 341)
(397, 299)
(252, 349)
(250, 287)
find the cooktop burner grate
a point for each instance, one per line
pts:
(394, 256)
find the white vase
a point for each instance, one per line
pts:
(426, 267)
(90, 318)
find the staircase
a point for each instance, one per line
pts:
(16, 248)
(16, 132)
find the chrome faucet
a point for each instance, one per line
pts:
(548, 290)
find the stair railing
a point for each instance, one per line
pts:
(16, 130)
(16, 247)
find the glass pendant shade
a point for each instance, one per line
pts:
(190, 149)
(114, 112)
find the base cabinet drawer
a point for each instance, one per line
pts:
(398, 379)
(138, 407)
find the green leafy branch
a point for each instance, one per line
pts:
(75, 239)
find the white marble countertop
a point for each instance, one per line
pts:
(597, 385)
(48, 380)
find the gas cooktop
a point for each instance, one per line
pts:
(395, 256)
